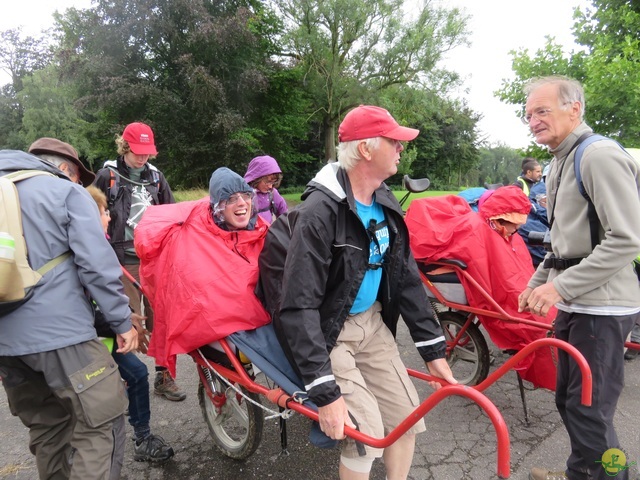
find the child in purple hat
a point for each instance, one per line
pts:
(264, 176)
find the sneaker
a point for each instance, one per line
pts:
(544, 474)
(152, 449)
(165, 385)
(631, 353)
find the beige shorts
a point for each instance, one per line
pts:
(373, 380)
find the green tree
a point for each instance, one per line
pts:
(20, 57)
(49, 111)
(498, 164)
(608, 67)
(352, 51)
(609, 31)
(199, 71)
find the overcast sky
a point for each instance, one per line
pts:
(497, 27)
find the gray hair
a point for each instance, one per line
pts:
(348, 154)
(58, 160)
(569, 90)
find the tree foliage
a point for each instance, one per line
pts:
(196, 70)
(20, 57)
(608, 67)
(352, 51)
(223, 81)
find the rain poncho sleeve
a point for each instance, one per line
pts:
(446, 228)
(199, 277)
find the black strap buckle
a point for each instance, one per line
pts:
(561, 263)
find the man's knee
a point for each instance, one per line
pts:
(132, 369)
(358, 464)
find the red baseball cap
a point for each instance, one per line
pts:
(367, 121)
(139, 136)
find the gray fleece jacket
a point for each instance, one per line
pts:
(611, 177)
(58, 216)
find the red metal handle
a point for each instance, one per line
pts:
(240, 376)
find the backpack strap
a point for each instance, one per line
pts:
(153, 187)
(114, 185)
(51, 264)
(154, 184)
(592, 215)
(270, 208)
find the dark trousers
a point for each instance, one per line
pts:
(69, 399)
(600, 339)
(135, 373)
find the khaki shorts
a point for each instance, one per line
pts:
(373, 380)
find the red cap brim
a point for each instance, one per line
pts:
(403, 134)
(139, 149)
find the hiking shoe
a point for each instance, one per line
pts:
(166, 386)
(152, 449)
(544, 474)
(631, 354)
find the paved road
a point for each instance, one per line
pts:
(460, 442)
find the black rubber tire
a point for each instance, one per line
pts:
(470, 360)
(238, 431)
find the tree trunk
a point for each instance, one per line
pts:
(329, 141)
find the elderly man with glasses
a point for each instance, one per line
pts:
(595, 288)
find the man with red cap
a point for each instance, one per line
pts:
(349, 274)
(131, 184)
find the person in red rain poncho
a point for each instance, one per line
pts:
(446, 227)
(199, 266)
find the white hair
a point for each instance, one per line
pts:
(348, 154)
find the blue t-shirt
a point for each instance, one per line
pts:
(371, 283)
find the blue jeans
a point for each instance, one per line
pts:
(135, 373)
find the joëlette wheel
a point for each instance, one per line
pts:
(236, 427)
(469, 356)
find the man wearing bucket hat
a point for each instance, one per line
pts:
(338, 310)
(63, 156)
(131, 184)
(59, 378)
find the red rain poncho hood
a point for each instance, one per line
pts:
(200, 278)
(446, 227)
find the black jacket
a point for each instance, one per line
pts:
(326, 260)
(119, 197)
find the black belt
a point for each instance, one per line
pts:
(561, 263)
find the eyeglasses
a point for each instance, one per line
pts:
(539, 113)
(272, 179)
(235, 198)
